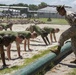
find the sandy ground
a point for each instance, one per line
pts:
(64, 67)
(37, 44)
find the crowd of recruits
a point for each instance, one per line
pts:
(5, 26)
(43, 32)
(7, 38)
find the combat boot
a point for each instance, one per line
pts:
(56, 51)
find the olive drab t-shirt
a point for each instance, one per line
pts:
(38, 30)
(26, 34)
(2, 33)
(30, 28)
(6, 25)
(12, 35)
(49, 29)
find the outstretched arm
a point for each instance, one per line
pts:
(25, 45)
(8, 51)
(11, 28)
(54, 37)
(18, 48)
(29, 44)
(51, 37)
(2, 55)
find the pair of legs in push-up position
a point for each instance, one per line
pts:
(43, 32)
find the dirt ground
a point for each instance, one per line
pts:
(36, 44)
(64, 67)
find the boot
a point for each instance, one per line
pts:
(56, 51)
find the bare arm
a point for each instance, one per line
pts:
(11, 28)
(18, 48)
(28, 44)
(25, 45)
(8, 51)
(54, 37)
(51, 37)
(2, 55)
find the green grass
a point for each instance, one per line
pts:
(73, 72)
(59, 21)
(54, 21)
(26, 62)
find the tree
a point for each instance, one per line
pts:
(20, 4)
(33, 7)
(42, 5)
(2, 4)
(21, 10)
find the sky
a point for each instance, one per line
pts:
(36, 2)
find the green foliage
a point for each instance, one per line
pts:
(42, 5)
(59, 21)
(26, 62)
(35, 57)
(2, 4)
(45, 69)
(72, 73)
(54, 21)
(19, 4)
(8, 70)
(33, 7)
(49, 19)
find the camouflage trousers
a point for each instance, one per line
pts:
(69, 33)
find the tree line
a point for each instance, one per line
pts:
(31, 6)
